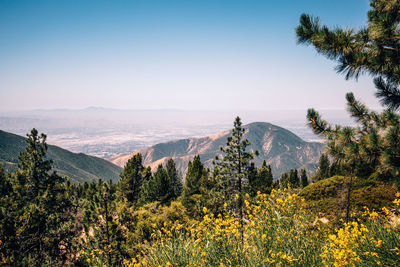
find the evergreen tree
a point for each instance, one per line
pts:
(132, 179)
(294, 180)
(102, 226)
(234, 166)
(42, 210)
(347, 145)
(163, 186)
(8, 229)
(196, 187)
(194, 175)
(373, 50)
(284, 180)
(174, 180)
(253, 179)
(212, 193)
(263, 179)
(303, 178)
(323, 170)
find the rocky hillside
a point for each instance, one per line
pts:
(278, 146)
(78, 167)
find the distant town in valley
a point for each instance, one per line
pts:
(105, 133)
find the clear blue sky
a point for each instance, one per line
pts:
(198, 54)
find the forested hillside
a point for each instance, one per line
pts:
(78, 167)
(228, 209)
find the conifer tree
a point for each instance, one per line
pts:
(263, 179)
(101, 222)
(253, 179)
(163, 186)
(42, 208)
(294, 180)
(196, 187)
(194, 175)
(132, 179)
(233, 167)
(284, 180)
(374, 49)
(303, 178)
(174, 180)
(323, 170)
(348, 146)
(8, 211)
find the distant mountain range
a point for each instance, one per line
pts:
(77, 166)
(282, 149)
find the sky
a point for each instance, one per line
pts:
(190, 55)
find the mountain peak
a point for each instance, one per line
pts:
(281, 148)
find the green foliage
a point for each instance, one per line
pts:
(323, 189)
(132, 178)
(154, 216)
(290, 179)
(323, 170)
(195, 187)
(328, 196)
(294, 178)
(102, 227)
(194, 175)
(303, 178)
(36, 226)
(371, 147)
(373, 49)
(77, 166)
(164, 185)
(175, 181)
(260, 180)
(233, 167)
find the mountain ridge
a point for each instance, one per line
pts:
(278, 146)
(78, 167)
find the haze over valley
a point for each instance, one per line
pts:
(106, 133)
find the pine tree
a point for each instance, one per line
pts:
(212, 193)
(174, 180)
(8, 229)
(294, 180)
(102, 221)
(252, 187)
(163, 186)
(284, 180)
(323, 170)
(263, 179)
(303, 178)
(233, 167)
(41, 205)
(196, 187)
(346, 144)
(132, 179)
(374, 50)
(194, 175)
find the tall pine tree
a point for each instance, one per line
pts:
(234, 166)
(42, 208)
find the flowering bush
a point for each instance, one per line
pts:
(276, 230)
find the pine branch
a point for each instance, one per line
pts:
(318, 125)
(388, 93)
